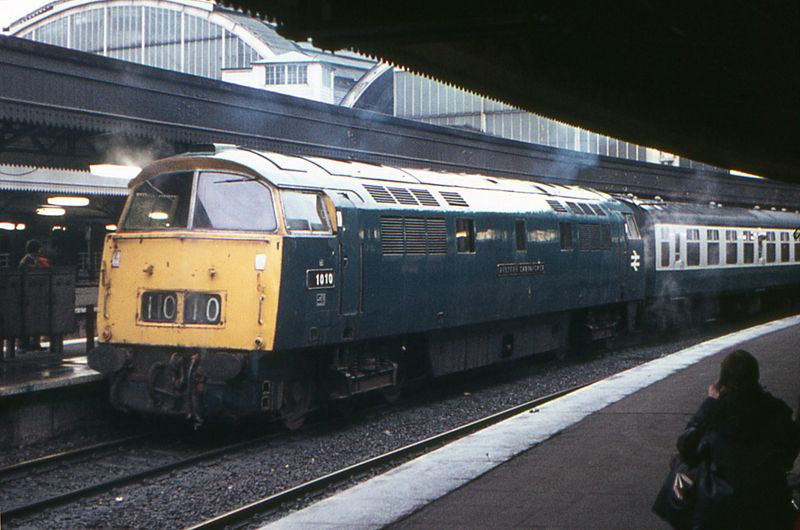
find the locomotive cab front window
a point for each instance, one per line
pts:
(160, 203)
(201, 200)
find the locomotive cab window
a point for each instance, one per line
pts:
(161, 202)
(226, 201)
(631, 228)
(203, 200)
(304, 211)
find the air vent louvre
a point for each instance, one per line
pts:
(598, 210)
(425, 197)
(557, 206)
(575, 208)
(380, 194)
(586, 209)
(403, 196)
(454, 199)
(413, 235)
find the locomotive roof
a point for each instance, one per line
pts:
(370, 181)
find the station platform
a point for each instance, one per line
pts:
(43, 395)
(593, 459)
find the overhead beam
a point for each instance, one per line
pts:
(108, 98)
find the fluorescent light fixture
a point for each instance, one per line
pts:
(68, 201)
(158, 216)
(7, 226)
(114, 171)
(50, 211)
(736, 173)
(20, 226)
(111, 228)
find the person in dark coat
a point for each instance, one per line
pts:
(33, 258)
(742, 441)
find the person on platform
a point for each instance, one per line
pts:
(741, 442)
(33, 258)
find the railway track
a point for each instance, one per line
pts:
(106, 460)
(273, 502)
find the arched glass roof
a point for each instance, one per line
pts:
(191, 36)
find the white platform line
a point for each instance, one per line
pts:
(402, 490)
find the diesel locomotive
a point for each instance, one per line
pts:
(244, 282)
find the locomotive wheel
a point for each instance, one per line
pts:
(297, 394)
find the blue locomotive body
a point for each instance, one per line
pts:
(327, 278)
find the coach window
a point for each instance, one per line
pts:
(677, 247)
(712, 250)
(797, 251)
(465, 235)
(785, 247)
(631, 228)
(521, 234)
(748, 246)
(771, 250)
(731, 247)
(566, 235)
(693, 247)
(665, 247)
(304, 211)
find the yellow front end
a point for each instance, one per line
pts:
(187, 289)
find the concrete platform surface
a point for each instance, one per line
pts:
(24, 379)
(593, 459)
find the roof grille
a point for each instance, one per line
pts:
(575, 208)
(586, 209)
(598, 210)
(453, 198)
(425, 197)
(380, 194)
(403, 196)
(557, 206)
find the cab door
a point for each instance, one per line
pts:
(351, 255)
(632, 262)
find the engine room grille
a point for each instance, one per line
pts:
(413, 235)
(594, 237)
(454, 199)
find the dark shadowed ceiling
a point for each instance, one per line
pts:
(718, 82)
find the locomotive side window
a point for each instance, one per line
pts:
(631, 228)
(304, 211)
(566, 235)
(160, 203)
(712, 250)
(225, 201)
(731, 247)
(693, 247)
(465, 236)
(521, 234)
